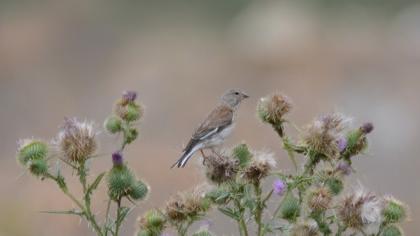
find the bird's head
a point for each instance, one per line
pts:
(233, 97)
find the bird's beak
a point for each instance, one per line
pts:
(245, 95)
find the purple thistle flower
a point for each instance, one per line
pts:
(344, 168)
(367, 128)
(129, 96)
(117, 158)
(279, 187)
(342, 144)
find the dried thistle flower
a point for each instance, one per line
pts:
(76, 140)
(322, 134)
(305, 228)
(186, 206)
(319, 199)
(220, 169)
(272, 109)
(260, 167)
(360, 209)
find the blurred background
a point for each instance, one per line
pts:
(74, 58)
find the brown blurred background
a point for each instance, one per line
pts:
(74, 58)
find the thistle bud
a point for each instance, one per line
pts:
(120, 181)
(394, 211)
(242, 153)
(152, 223)
(38, 167)
(335, 185)
(391, 230)
(290, 208)
(319, 199)
(31, 149)
(113, 124)
(131, 135)
(138, 190)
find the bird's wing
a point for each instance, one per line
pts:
(218, 119)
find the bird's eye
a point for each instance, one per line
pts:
(236, 93)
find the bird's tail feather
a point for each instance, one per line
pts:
(181, 162)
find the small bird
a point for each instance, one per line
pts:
(215, 128)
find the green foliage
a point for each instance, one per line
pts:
(335, 185)
(290, 208)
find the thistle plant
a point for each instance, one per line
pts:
(312, 200)
(76, 146)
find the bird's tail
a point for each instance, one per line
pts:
(188, 153)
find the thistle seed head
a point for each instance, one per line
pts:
(220, 169)
(76, 140)
(260, 167)
(271, 109)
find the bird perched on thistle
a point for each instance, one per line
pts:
(215, 128)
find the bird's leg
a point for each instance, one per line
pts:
(204, 156)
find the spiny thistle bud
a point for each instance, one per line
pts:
(186, 206)
(120, 181)
(391, 230)
(77, 140)
(319, 199)
(138, 190)
(242, 153)
(113, 124)
(394, 210)
(131, 135)
(259, 167)
(279, 187)
(306, 228)
(127, 109)
(220, 169)
(152, 223)
(322, 134)
(360, 209)
(38, 167)
(31, 149)
(357, 141)
(290, 208)
(271, 109)
(335, 185)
